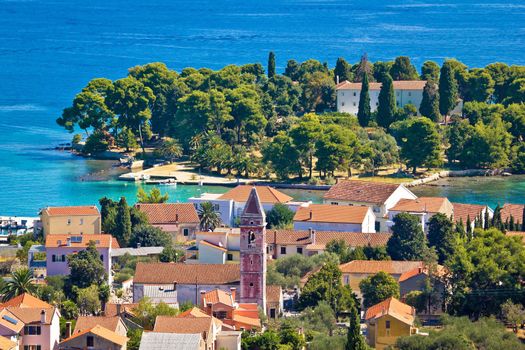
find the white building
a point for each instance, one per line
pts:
(326, 217)
(406, 92)
(378, 196)
(423, 207)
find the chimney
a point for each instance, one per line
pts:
(202, 298)
(337, 79)
(312, 235)
(174, 285)
(118, 309)
(233, 292)
(43, 316)
(68, 329)
(177, 217)
(68, 241)
(311, 214)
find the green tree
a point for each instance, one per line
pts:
(335, 149)
(387, 103)
(280, 216)
(441, 236)
(304, 136)
(271, 65)
(342, 70)
(364, 114)
(154, 196)
(69, 310)
(135, 336)
(126, 139)
(88, 300)
(282, 156)
(99, 141)
(170, 149)
(170, 254)
(86, 267)
(248, 119)
(430, 103)
(377, 288)
(513, 314)
(146, 312)
(408, 241)
(123, 223)
(402, 69)
(318, 92)
(21, 282)
(354, 339)
(209, 218)
(458, 133)
(149, 236)
(448, 88)
(292, 70)
(430, 71)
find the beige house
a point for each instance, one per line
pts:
(78, 220)
(96, 337)
(327, 217)
(178, 219)
(424, 208)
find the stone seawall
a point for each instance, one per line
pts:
(454, 173)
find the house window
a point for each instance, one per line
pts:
(32, 347)
(62, 258)
(69, 221)
(102, 257)
(230, 257)
(377, 104)
(354, 104)
(272, 313)
(90, 341)
(81, 221)
(32, 330)
(283, 250)
(216, 207)
(186, 232)
(221, 315)
(53, 258)
(334, 203)
(251, 284)
(387, 324)
(342, 104)
(355, 93)
(347, 279)
(376, 209)
(377, 226)
(299, 250)
(409, 94)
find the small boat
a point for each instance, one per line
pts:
(506, 174)
(144, 177)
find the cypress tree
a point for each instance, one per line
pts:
(271, 65)
(469, 225)
(511, 224)
(523, 219)
(430, 103)
(354, 339)
(487, 220)
(387, 102)
(123, 229)
(342, 70)
(496, 219)
(448, 88)
(460, 228)
(364, 114)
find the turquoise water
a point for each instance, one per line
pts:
(50, 49)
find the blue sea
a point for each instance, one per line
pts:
(50, 49)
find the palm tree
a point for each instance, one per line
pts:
(170, 149)
(154, 196)
(21, 282)
(209, 217)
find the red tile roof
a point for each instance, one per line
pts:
(393, 307)
(273, 293)
(375, 266)
(218, 296)
(166, 273)
(183, 325)
(354, 239)
(424, 205)
(464, 211)
(72, 210)
(111, 309)
(101, 332)
(169, 213)
(266, 194)
(514, 210)
(361, 191)
(87, 322)
(398, 85)
(332, 213)
(440, 271)
(26, 300)
(102, 241)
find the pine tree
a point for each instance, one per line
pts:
(387, 102)
(430, 103)
(364, 114)
(354, 339)
(342, 71)
(123, 229)
(460, 228)
(448, 88)
(271, 65)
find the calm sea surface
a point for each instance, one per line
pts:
(50, 49)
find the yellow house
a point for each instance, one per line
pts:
(387, 321)
(79, 220)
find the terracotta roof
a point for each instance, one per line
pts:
(169, 213)
(254, 322)
(331, 213)
(170, 324)
(72, 210)
(361, 191)
(194, 312)
(398, 85)
(7, 344)
(393, 307)
(79, 241)
(218, 296)
(32, 314)
(111, 309)
(424, 205)
(209, 244)
(440, 271)
(101, 332)
(10, 321)
(516, 234)
(266, 194)
(88, 322)
(164, 273)
(273, 293)
(26, 300)
(516, 210)
(464, 211)
(354, 239)
(375, 266)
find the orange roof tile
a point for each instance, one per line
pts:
(7, 344)
(101, 332)
(194, 312)
(375, 266)
(72, 210)
(354, 239)
(266, 194)
(168, 213)
(111, 309)
(88, 322)
(514, 210)
(398, 85)
(184, 325)
(102, 241)
(218, 296)
(26, 300)
(464, 211)
(250, 321)
(331, 213)
(361, 191)
(32, 314)
(165, 273)
(209, 244)
(273, 293)
(440, 271)
(424, 205)
(393, 307)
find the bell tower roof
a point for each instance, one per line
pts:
(253, 205)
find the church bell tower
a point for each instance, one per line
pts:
(253, 252)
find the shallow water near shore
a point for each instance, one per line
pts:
(50, 49)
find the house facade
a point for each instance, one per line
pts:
(73, 220)
(180, 220)
(380, 197)
(424, 208)
(328, 217)
(95, 338)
